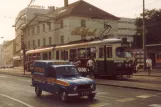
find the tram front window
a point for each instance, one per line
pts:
(123, 52)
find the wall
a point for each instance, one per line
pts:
(69, 25)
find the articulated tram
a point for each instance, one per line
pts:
(112, 56)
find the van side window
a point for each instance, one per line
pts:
(51, 72)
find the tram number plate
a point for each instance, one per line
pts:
(84, 93)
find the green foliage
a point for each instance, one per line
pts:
(152, 26)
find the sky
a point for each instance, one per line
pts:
(9, 9)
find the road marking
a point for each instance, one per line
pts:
(145, 96)
(2, 76)
(103, 93)
(155, 105)
(98, 105)
(105, 97)
(125, 100)
(28, 105)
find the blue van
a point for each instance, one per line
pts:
(62, 79)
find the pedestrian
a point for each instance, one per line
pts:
(149, 65)
(91, 67)
(135, 63)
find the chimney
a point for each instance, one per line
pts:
(65, 3)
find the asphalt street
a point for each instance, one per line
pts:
(17, 92)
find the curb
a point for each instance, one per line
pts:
(27, 76)
(149, 75)
(129, 87)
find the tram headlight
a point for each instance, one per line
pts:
(75, 88)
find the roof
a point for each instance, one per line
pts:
(82, 9)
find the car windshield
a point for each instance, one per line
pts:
(66, 71)
(123, 52)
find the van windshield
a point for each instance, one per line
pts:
(66, 71)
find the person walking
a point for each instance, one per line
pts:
(149, 65)
(91, 67)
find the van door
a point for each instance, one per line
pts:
(51, 79)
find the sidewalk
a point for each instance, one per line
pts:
(136, 82)
(154, 73)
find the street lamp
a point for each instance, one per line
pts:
(144, 36)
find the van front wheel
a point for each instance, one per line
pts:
(38, 91)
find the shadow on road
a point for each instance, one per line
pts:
(50, 99)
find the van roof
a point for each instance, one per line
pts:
(51, 62)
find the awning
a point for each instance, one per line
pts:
(39, 50)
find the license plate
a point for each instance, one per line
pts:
(84, 93)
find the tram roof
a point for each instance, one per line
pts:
(39, 50)
(98, 42)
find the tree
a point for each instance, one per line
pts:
(152, 26)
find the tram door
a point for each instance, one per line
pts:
(105, 64)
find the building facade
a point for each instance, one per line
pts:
(127, 28)
(68, 24)
(24, 16)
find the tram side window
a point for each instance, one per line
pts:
(66, 55)
(109, 52)
(57, 55)
(101, 52)
(38, 56)
(91, 52)
(49, 55)
(73, 54)
(62, 55)
(82, 53)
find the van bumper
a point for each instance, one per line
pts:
(77, 94)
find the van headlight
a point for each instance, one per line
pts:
(92, 86)
(75, 88)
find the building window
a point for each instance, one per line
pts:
(49, 40)
(38, 29)
(61, 24)
(44, 42)
(43, 26)
(39, 43)
(33, 43)
(33, 30)
(28, 44)
(62, 39)
(83, 23)
(49, 25)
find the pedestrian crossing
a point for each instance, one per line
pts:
(116, 100)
